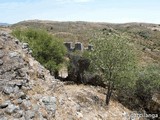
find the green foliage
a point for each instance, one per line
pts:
(47, 49)
(114, 58)
(148, 82)
(144, 34)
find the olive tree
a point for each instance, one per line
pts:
(113, 58)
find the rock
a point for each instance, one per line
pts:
(4, 34)
(79, 115)
(1, 53)
(13, 54)
(35, 107)
(16, 41)
(78, 108)
(19, 84)
(26, 104)
(50, 103)
(1, 45)
(18, 64)
(21, 95)
(19, 114)
(11, 109)
(13, 75)
(1, 62)
(29, 115)
(1, 72)
(3, 118)
(5, 104)
(16, 89)
(16, 83)
(95, 98)
(18, 101)
(43, 113)
(30, 51)
(24, 45)
(8, 90)
(21, 72)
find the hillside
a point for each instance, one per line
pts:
(144, 36)
(4, 24)
(29, 92)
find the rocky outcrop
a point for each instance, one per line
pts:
(20, 76)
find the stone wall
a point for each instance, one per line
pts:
(77, 46)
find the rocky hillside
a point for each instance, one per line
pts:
(29, 92)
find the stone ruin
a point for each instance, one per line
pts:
(77, 46)
(90, 47)
(69, 46)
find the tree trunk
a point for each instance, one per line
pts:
(109, 93)
(56, 74)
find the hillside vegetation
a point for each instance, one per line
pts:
(145, 37)
(46, 49)
(125, 57)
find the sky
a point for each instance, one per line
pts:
(112, 11)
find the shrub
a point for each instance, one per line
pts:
(144, 34)
(148, 82)
(47, 49)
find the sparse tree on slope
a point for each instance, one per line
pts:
(114, 59)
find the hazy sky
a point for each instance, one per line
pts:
(113, 11)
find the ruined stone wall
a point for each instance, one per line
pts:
(77, 46)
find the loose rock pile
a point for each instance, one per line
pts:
(19, 74)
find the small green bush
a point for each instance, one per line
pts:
(148, 82)
(47, 49)
(144, 34)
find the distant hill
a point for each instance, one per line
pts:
(4, 24)
(144, 36)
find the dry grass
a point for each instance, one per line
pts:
(91, 102)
